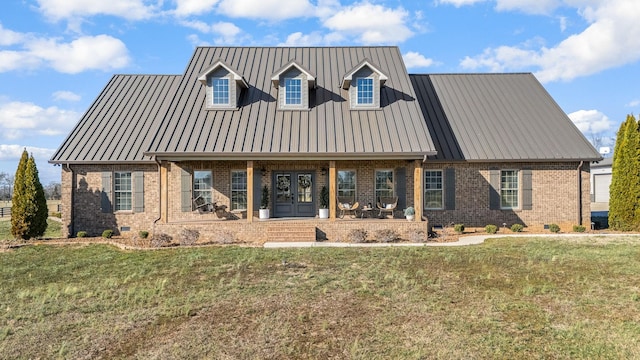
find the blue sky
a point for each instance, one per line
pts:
(57, 55)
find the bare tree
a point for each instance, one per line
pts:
(6, 186)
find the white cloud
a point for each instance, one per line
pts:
(9, 37)
(194, 7)
(266, 9)
(101, 52)
(66, 96)
(591, 121)
(300, 39)
(528, 6)
(371, 24)
(69, 9)
(634, 103)
(228, 33)
(10, 152)
(416, 60)
(18, 119)
(459, 3)
(612, 39)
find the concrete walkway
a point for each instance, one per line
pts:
(463, 241)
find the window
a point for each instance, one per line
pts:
(347, 185)
(220, 90)
(365, 91)
(384, 183)
(203, 185)
(122, 191)
(293, 91)
(509, 189)
(433, 189)
(239, 190)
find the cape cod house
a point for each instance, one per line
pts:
(166, 152)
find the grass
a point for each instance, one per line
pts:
(509, 298)
(54, 229)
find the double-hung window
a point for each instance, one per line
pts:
(220, 91)
(433, 198)
(347, 186)
(238, 190)
(509, 189)
(384, 183)
(122, 191)
(365, 91)
(203, 185)
(293, 91)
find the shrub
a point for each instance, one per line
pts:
(418, 236)
(517, 227)
(160, 240)
(491, 229)
(579, 228)
(357, 235)
(224, 237)
(81, 234)
(107, 234)
(143, 234)
(386, 235)
(29, 210)
(459, 228)
(409, 211)
(554, 228)
(324, 198)
(56, 214)
(189, 236)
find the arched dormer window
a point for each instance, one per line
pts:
(294, 83)
(363, 83)
(224, 85)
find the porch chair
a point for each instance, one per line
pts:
(200, 204)
(345, 207)
(387, 205)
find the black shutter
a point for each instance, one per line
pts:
(401, 187)
(138, 191)
(185, 190)
(450, 189)
(494, 189)
(106, 192)
(527, 190)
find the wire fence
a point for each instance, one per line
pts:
(5, 212)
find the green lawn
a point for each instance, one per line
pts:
(54, 229)
(509, 298)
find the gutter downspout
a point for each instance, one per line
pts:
(159, 194)
(579, 173)
(71, 226)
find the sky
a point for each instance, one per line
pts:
(57, 55)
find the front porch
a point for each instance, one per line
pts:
(258, 232)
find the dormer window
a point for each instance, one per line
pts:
(220, 91)
(364, 83)
(294, 83)
(365, 91)
(224, 86)
(293, 91)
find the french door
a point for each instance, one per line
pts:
(293, 194)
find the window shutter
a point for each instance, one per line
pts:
(527, 190)
(105, 194)
(494, 189)
(450, 189)
(185, 190)
(257, 188)
(400, 181)
(138, 191)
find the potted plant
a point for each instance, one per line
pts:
(264, 203)
(409, 213)
(324, 203)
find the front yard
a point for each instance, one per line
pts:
(509, 298)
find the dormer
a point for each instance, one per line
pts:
(363, 83)
(293, 82)
(224, 85)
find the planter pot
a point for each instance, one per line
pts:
(264, 213)
(323, 213)
(409, 217)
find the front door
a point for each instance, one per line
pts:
(294, 195)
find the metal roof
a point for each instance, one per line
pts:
(120, 123)
(328, 129)
(497, 117)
